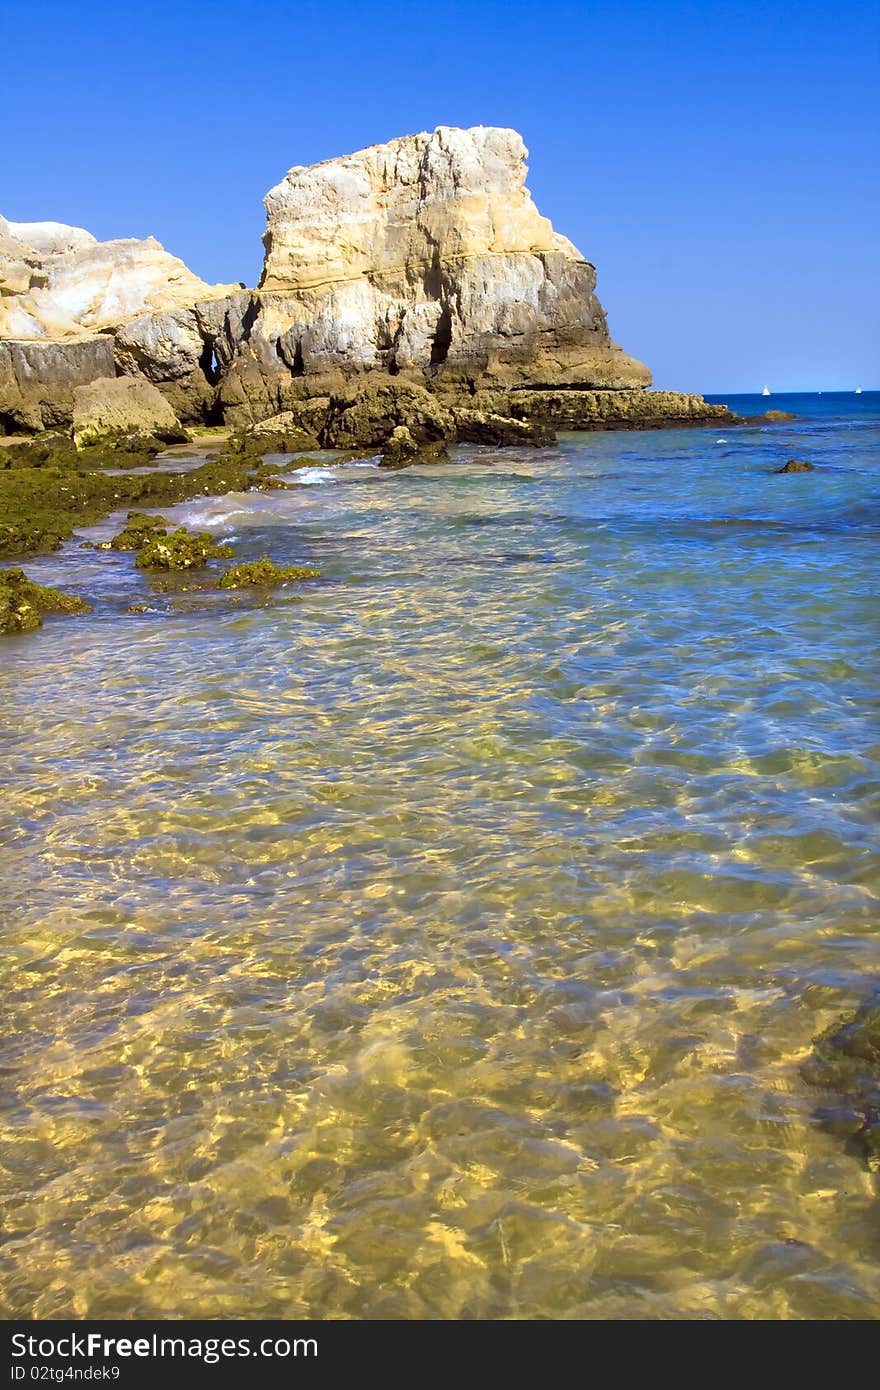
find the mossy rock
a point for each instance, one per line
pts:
(797, 466)
(264, 573)
(401, 450)
(180, 550)
(366, 413)
(23, 603)
(138, 530)
(775, 417)
(846, 1060)
(48, 489)
(59, 451)
(278, 434)
(486, 427)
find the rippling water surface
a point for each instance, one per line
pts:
(443, 938)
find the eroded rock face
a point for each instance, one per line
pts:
(412, 286)
(73, 308)
(37, 380)
(427, 255)
(122, 406)
(60, 284)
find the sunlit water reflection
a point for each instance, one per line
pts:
(442, 939)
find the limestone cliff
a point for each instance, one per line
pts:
(72, 308)
(428, 255)
(411, 286)
(59, 283)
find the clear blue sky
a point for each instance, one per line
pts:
(717, 161)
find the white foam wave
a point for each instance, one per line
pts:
(309, 476)
(334, 474)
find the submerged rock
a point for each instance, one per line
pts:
(180, 550)
(846, 1060)
(23, 603)
(777, 416)
(797, 466)
(264, 573)
(112, 407)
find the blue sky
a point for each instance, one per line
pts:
(717, 162)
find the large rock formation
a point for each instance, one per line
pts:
(417, 268)
(426, 257)
(73, 308)
(429, 252)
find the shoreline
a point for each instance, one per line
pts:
(49, 487)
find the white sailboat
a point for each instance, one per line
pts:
(766, 391)
(858, 390)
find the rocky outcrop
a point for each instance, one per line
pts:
(412, 285)
(37, 380)
(73, 308)
(427, 256)
(117, 407)
(60, 284)
(23, 603)
(367, 412)
(597, 410)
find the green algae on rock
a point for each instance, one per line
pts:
(139, 528)
(797, 466)
(57, 450)
(400, 450)
(279, 434)
(23, 603)
(264, 572)
(48, 488)
(846, 1060)
(181, 550)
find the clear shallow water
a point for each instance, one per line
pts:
(442, 939)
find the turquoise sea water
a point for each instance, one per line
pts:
(443, 938)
